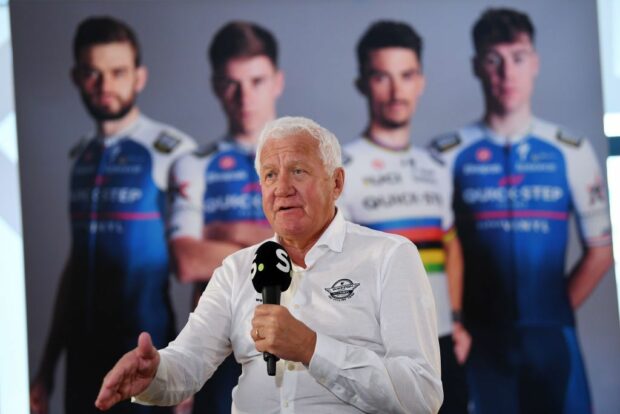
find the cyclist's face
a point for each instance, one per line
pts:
(108, 79)
(507, 72)
(392, 82)
(248, 89)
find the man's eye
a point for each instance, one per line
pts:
(119, 73)
(89, 74)
(378, 77)
(492, 60)
(520, 57)
(298, 171)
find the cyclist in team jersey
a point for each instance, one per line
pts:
(217, 204)
(399, 188)
(517, 179)
(115, 283)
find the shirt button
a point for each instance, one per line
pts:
(296, 306)
(291, 366)
(285, 403)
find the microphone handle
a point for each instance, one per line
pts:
(271, 296)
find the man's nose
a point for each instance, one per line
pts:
(506, 69)
(283, 185)
(104, 82)
(245, 94)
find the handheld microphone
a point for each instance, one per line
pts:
(271, 275)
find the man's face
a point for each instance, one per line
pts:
(392, 82)
(507, 72)
(109, 80)
(298, 195)
(248, 89)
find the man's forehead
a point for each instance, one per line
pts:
(117, 52)
(521, 41)
(246, 66)
(298, 147)
(389, 55)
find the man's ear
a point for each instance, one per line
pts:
(475, 66)
(361, 85)
(75, 76)
(279, 82)
(142, 76)
(338, 177)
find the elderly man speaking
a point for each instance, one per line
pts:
(355, 332)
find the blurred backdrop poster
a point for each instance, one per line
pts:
(317, 42)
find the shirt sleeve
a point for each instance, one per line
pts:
(589, 195)
(407, 378)
(186, 192)
(203, 344)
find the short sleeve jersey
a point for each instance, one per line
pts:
(216, 183)
(512, 202)
(403, 192)
(119, 250)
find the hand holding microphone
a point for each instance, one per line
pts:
(275, 331)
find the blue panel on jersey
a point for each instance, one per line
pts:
(119, 243)
(233, 190)
(513, 201)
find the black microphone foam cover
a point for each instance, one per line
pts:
(271, 267)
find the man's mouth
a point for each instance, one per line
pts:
(286, 208)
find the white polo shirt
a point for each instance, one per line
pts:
(366, 295)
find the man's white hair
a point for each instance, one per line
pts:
(287, 126)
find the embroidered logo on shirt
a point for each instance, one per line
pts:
(343, 289)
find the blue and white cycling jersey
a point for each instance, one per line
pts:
(512, 202)
(216, 183)
(119, 255)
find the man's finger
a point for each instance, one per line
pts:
(145, 346)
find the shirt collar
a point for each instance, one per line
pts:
(332, 238)
(230, 141)
(501, 140)
(125, 132)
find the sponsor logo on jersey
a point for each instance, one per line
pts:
(536, 167)
(568, 139)
(540, 226)
(390, 178)
(407, 162)
(482, 169)
(244, 202)
(166, 143)
(180, 189)
(120, 195)
(226, 176)
(483, 154)
(106, 226)
(424, 175)
(342, 289)
(523, 150)
(526, 193)
(445, 142)
(596, 191)
(378, 164)
(227, 162)
(401, 199)
(511, 180)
